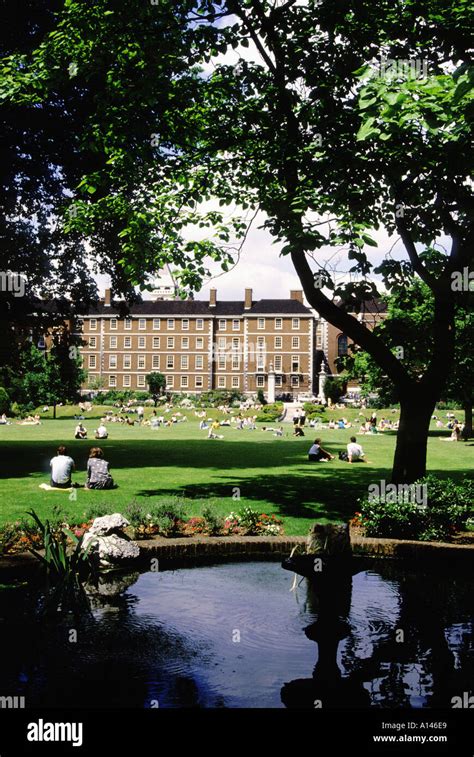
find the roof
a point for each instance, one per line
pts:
(202, 308)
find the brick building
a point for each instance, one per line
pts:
(200, 345)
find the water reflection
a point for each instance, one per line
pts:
(404, 647)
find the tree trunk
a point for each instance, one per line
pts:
(467, 431)
(54, 410)
(412, 439)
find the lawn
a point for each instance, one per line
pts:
(270, 474)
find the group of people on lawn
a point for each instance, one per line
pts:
(98, 470)
(354, 453)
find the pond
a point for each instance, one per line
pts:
(236, 635)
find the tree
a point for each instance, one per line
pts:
(409, 331)
(325, 140)
(156, 385)
(52, 376)
(335, 387)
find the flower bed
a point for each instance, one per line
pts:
(165, 520)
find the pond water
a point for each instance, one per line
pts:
(235, 635)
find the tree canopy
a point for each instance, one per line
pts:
(346, 117)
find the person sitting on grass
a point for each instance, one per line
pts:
(298, 431)
(101, 432)
(317, 453)
(98, 476)
(61, 468)
(212, 431)
(80, 432)
(355, 453)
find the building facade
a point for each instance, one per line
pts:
(200, 345)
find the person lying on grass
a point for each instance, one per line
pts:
(61, 468)
(317, 453)
(98, 476)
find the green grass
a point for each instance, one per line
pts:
(272, 474)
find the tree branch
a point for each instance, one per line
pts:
(418, 266)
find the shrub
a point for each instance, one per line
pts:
(213, 523)
(168, 517)
(448, 509)
(313, 411)
(4, 401)
(270, 413)
(261, 397)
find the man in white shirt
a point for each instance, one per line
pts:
(140, 413)
(101, 432)
(355, 453)
(61, 468)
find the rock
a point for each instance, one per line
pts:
(329, 539)
(108, 524)
(107, 542)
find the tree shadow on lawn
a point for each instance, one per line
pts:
(20, 458)
(324, 492)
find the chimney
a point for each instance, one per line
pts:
(108, 298)
(212, 298)
(296, 294)
(248, 299)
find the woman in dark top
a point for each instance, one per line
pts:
(98, 476)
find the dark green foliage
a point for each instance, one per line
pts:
(449, 507)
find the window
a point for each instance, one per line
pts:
(199, 324)
(141, 381)
(156, 324)
(127, 324)
(127, 361)
(170, 324)
(169, 382)
(127, 342)
(155, 361)
(113, 324)
(278, 380)
(142, 324)
(295, 342)
(141, 342)
(236, 324)
(141, 361)
(156, 342)
(260, 381)
(221, 343)
(278, 324)
(341, 345)
(277, 363)
(185, 324)
(170, 361)
(112, 380)
(235, 354)
(112, 361)
(199, 343)
(221, 362)
(93, 324)
(170, 342)
(222, 324)
(261, 342)
(235, 382)
(319, 338)
(221, 382)
(199, 362)
(295, 381)
(92, 361)
(92, 342)
(295, 323)
(127, 380)
(278, 342)
(261, 362)
(295, 364)
(198, 382)
(261, 323)
(184, 382)
(113, 342)
(184, 362)
(185, 342)
(92, 378)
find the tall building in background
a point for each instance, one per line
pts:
(202, 345)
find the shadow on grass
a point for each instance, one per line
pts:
(326, 492)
